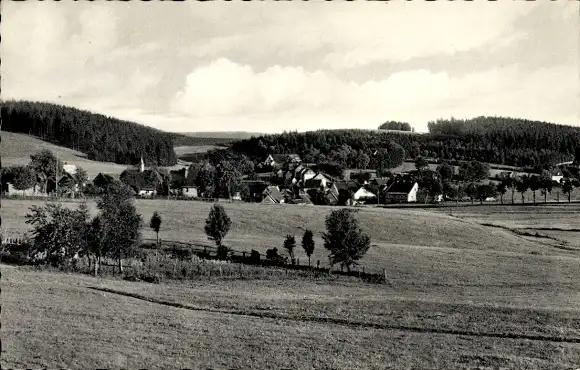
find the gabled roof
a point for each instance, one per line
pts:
(403, 187)
(274, 193)
(347, 185)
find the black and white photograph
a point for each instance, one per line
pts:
(387, 184)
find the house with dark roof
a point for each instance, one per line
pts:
(402, 192)
(314, 184)
(281, 159)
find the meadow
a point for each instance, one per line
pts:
(459, 295)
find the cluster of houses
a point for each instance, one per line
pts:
(281, 178)
(292, 181)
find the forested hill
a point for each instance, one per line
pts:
(499, 140)
(102, 138)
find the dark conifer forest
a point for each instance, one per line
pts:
(102, 138)
(500, 140)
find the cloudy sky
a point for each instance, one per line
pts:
(272, 66)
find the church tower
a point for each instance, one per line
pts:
(142, 165)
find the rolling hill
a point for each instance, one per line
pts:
(16, 149)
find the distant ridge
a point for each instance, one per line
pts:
(222, 134)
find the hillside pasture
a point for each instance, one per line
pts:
(463, 248)
(459, 295)
(16, 150)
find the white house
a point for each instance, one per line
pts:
(69, 168)
(362, 195)
(189, 191)
(147, 192)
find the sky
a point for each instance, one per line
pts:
(274, 66)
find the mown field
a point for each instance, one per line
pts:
(460, 295)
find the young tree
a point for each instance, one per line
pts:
(567, 188)
(522, 185)
(501, 189)
(93, 244)
(120, 223)
(534, 185)
(289, 245)
(344, 239)
(308, 243)
(155, 224)
(217, 224)
(511, 184)
(546, 184)
(471, 191)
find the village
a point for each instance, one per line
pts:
(279, 179)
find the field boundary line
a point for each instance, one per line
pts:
(343, 322)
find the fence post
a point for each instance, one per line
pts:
(385, 274)
(221, 274)
(317, 264)
(363, 269)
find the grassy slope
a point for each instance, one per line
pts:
(16, 149)
(449, 250)
(446, 275)
(54, 320)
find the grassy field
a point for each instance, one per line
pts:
(460, 295)
(16, 150)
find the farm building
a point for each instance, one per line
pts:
(402, 192)
(281, 159)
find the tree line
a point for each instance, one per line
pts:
(500, 140)
(61, 235)
(102, 138)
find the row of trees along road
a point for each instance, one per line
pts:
(470, 182)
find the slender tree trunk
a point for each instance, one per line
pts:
(546, 197)
(534, 194)
(523, 199)
(569, 197)
(501, 198)
(120, 261)
(308, 261)
(97, 264)
(513, 196)
(157, 249)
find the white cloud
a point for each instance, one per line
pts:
(280, 95)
